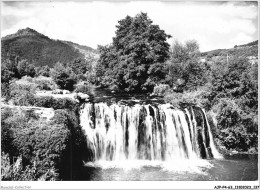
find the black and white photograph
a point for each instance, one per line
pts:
(129, 94)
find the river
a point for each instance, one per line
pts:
(142, 138)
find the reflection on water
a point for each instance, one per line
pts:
(232, 168)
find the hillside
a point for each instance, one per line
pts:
(39, 49)
(82, 49)
(247, 50)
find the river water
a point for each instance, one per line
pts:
(232, 168)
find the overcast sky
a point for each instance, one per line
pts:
(213, 24)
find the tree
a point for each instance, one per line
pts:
(138, 47)
(43, 71)
(25, 68)
(184, 66)
(63, 76)
(236, 79)
(6, 77)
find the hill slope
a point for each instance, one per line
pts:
(247, 50)
(40, 50)
(82, 49)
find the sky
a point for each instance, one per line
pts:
(215, 25)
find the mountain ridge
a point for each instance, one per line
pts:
(24, 32)
(41, 50)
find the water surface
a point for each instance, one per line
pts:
(232, 168)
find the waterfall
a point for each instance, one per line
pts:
(120, 132)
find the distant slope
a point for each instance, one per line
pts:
(247, 50)
(40, 50)
(82, 49)
(249, 44)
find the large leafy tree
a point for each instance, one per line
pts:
(185, 69)
(135, 60)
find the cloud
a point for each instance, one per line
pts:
(213, 25)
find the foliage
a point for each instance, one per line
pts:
(45, 147)
(24, 68)
(160, 89)
(45, 83)
(238, 128)
(22, 92)
(132, 61)
(16, 171)
(198, 97)
(234, 80)
(63, 76)
(231, 95)
(43, 71)
(8, 72)
(11, 64)
(80, 66)
(83, 87)
(7, 135)
(6, 76)
(184, 66)
(55, 103)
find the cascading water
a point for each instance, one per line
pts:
(119, 132)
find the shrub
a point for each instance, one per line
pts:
(22, 92)
(160, 89)
(198, 97)
(238, 129)
(43, 71)
(25, 68)
(56, 103)
(83, 87)
(63, 76)
(16, 171)
(43, 148)
(45, 83)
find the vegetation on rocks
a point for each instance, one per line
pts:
(43, 148)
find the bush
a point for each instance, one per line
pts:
(198, 97)
(238, 129)
(83, 87)
(16, 171)
(56, 103)
(43, 71)
(160, 90)
(25, 68)
(45, 83)
(63, 76)
(43, 148)
(22, 92)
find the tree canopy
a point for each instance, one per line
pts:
(185, 71)
(135, 60)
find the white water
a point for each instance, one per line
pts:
(212, 145)
(160, 134)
